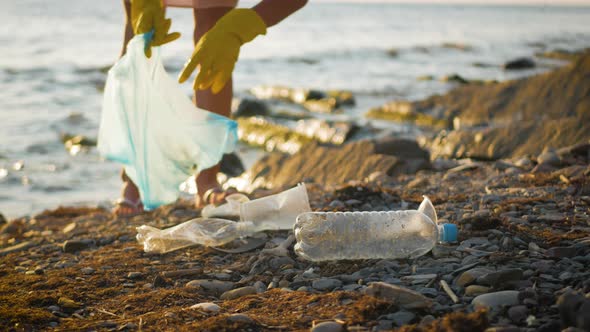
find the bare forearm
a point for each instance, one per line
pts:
(274, 11)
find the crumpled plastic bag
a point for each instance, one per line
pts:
(150, 126)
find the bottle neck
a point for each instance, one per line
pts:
(441, 233)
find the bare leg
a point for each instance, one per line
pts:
(219, 103)
(128, 34)
(130, 201)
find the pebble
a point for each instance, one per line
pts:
(238, 292)
(326, 284)
(562, 252)
(470, 276)
(260, 287)
(518, 313)
(327, 327)
(134, 275)
(336, 204)
(498, 278)
(402, 318)
(207, 307)
(87, 270)
(215, 286)
(242, 318)
(72, 246)
(473, 290)
(496, 300)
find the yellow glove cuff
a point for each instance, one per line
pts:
(244, 23)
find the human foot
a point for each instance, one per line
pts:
(214, 195)
(130, 202)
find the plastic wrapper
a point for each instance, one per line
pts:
(203, 231)
(150, 126)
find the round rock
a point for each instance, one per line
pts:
(496, 300)
(327, 327)
(207, 307)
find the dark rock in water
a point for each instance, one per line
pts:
(519, 64)
(2, 219)
(454, 78)
(393, 52)
(251, 107)
(231, 165)
(326, 165)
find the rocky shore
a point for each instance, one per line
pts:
(521, 262)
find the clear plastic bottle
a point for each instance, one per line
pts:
(204, 231)
(325, 236)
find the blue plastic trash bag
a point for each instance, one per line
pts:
(150, 126)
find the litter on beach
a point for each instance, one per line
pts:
(267, 213)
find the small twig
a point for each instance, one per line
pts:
(449, 291)
(564, 179)
(182, 273)
(108, 313)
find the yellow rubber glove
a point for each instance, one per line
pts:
(217, 51)
(148, 15)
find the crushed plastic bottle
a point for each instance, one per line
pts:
(267, 213)
(325, 236)
(205, 231)
(272, 212)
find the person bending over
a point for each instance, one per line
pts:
(220, 30)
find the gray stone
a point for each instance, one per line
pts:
(549, 158)
(87, 270)
(336, 204)
(327, 327)
(562, 252)
(500, 277)
(470, 276)
(326, 284)
(238, 292)
(242, 318)
(518, 313)
(402, 318)
(207, 307)
(72, 246)
(215, 286)
(260, 287)
(473, 290)
(497, 300)
(134, 275)
(401, 296)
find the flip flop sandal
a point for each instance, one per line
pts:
(136, 207)
(206, 198)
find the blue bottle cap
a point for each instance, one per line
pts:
(449, 233)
